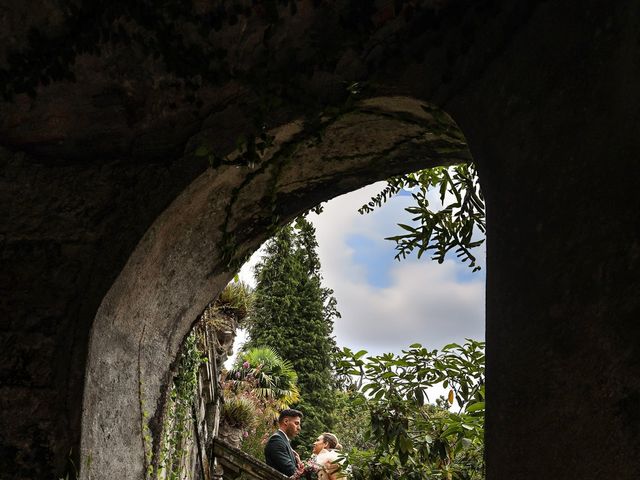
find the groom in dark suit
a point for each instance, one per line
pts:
(278, 452)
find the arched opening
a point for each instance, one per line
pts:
(386, 306)
(193, 249)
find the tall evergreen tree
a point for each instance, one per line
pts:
(294, 315)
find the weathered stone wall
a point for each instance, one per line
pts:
(64, 229)
(547, 95)
(559, 164)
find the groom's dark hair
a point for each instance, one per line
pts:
(289, 412)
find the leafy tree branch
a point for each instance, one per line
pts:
(458, 224)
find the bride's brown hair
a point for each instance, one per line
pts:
(331, 440)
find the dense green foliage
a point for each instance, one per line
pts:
(455, 225)
(352, 421)
(405, 437)
(294, 315)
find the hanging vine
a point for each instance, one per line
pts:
(178, 422)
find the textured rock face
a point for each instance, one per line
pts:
(112, 230)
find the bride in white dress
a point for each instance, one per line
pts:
(325, 452)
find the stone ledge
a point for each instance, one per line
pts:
(234, 462)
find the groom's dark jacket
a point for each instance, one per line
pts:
(279, 454)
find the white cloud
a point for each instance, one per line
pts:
(424, 304)
(422, 301)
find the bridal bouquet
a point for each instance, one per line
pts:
(310, 471)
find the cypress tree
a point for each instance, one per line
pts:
(294, 315)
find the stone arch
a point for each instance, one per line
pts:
(187, 256)
(547, 94)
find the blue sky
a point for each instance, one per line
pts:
(387, 305)
(365, 250)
